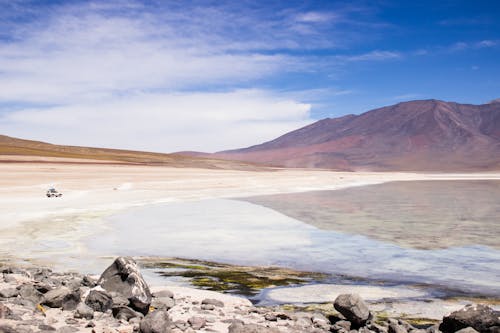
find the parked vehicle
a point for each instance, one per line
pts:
(52, 193)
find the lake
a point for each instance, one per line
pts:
(441, 234)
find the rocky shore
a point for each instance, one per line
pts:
(120, 301)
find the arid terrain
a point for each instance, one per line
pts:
(427, 135)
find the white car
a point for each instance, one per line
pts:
(52, 193)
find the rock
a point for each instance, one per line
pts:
(89, 281)
(212, 301)
(208, 307)
(197, 322)
(99, 300)
(163, 303)
(125, 313)
(342, 325)
(28, 292)
(123, 277)
(7, 329)
(70, 301)
(270, 317)
(56, 297)
(9, 292)
(396, 328)
(467, 330)
(378, 328)
(480, 317)
(5, 312)
(118, 299)
(84, 311)
(236, 327)
(67, 329)
(433, 329)
(44, 327)
(155, 322)
(353, 308)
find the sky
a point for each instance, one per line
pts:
(207, 76)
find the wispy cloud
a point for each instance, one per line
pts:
(151, 69)
(374, 56)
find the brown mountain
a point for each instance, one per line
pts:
(428, 135)
(19, 150)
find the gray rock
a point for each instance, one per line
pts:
(433, 329)
(9, 292)
(155, 322)
(89, 281)
(163, 303)
(208, 307)
(84, 311)
(67, 329)
(70, 301)
(99, 300)
(7, 329)
(28, 292)
(54, 298)
(197, 322)
(396, 328)
(236, 327)
(44, 327)
(353, 308)
(123, 277)
(480, 317)
(378, 328)
(270, 317)
(125, 313)
(212, 301)
(342, 325)
(118, 299)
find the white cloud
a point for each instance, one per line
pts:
(164, 122)
(374, 56)
(163, 77)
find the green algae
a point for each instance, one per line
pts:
(235, 279)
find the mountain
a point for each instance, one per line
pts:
(16, 150)
(426, 135)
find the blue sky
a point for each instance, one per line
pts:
(212, 75)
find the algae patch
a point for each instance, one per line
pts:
(235, 279)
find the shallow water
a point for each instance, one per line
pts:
(245, 233)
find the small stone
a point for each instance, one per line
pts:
(7, 329)
(163, 303)
(467, 330)
(71, 321)
(396, 328)
(270, 317)
(197, 322)
(89, 281)
(84, 311)
(208, 307)
(9, 292)
(67, 329)
(44, 327)
(125, 313)
(156, 322)
(5, 312)
(213, 302)
(90, 324)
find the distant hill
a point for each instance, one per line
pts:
(426, 135)
(13, 148)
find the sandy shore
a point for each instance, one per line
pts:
(94, 191)
(108, 188)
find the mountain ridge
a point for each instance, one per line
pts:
(422, 135)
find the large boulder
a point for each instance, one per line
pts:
(123, 277)
(480, 317)
(353, 308)
(156, 322)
